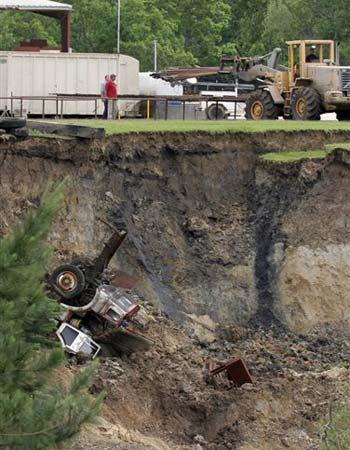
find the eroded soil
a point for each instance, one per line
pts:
(234, 256)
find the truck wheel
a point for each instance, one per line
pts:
(68, 281)
(306, 104)
(8, 123)
(260, 106)
(218, 113)
(343, 115)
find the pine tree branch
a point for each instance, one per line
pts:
(35, 433)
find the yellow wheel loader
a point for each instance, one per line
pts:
(312, 84)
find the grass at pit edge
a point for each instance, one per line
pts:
(286, 157)
(220, 126)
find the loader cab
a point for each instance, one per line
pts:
(303, 53)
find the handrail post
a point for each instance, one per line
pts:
(148, 103)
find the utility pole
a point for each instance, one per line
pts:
(155, 55)
(118, 53)
(118, 26)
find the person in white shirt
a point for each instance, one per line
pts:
(103, 96)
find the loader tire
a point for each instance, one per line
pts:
(306, 104)
(343, 116)
(68, 281)
(260, 106)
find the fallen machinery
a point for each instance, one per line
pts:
(101, 311)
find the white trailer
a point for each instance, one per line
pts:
(49, 73)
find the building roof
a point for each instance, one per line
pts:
(34, 5)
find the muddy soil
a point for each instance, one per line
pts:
(234, 256)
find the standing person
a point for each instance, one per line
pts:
(112, 94)
(103, 96)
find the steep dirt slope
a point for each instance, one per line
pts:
(213, 231)
(306, 237)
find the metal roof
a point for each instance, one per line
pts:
(34, 5)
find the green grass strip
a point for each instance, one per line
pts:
(287, 157)
(210, 126)
(343, 146)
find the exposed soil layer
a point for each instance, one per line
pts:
(236, 255)
(213, 230)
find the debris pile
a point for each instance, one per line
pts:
(163, 398)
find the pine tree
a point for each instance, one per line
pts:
(35, 411)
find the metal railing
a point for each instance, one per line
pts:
(61, 100)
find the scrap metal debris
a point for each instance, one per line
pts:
(235, 373)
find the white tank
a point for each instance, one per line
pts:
(149, 86)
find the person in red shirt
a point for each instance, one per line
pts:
(111, 94)
(111, 87)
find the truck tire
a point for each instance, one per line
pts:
(306, 104)
(260, 106)
(220, 114)
(8, 123)
(68, 281)
(343, 115)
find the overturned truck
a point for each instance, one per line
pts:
(102, 314)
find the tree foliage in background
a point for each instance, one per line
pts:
(36, 412)
(21, 26)
(187, 31)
